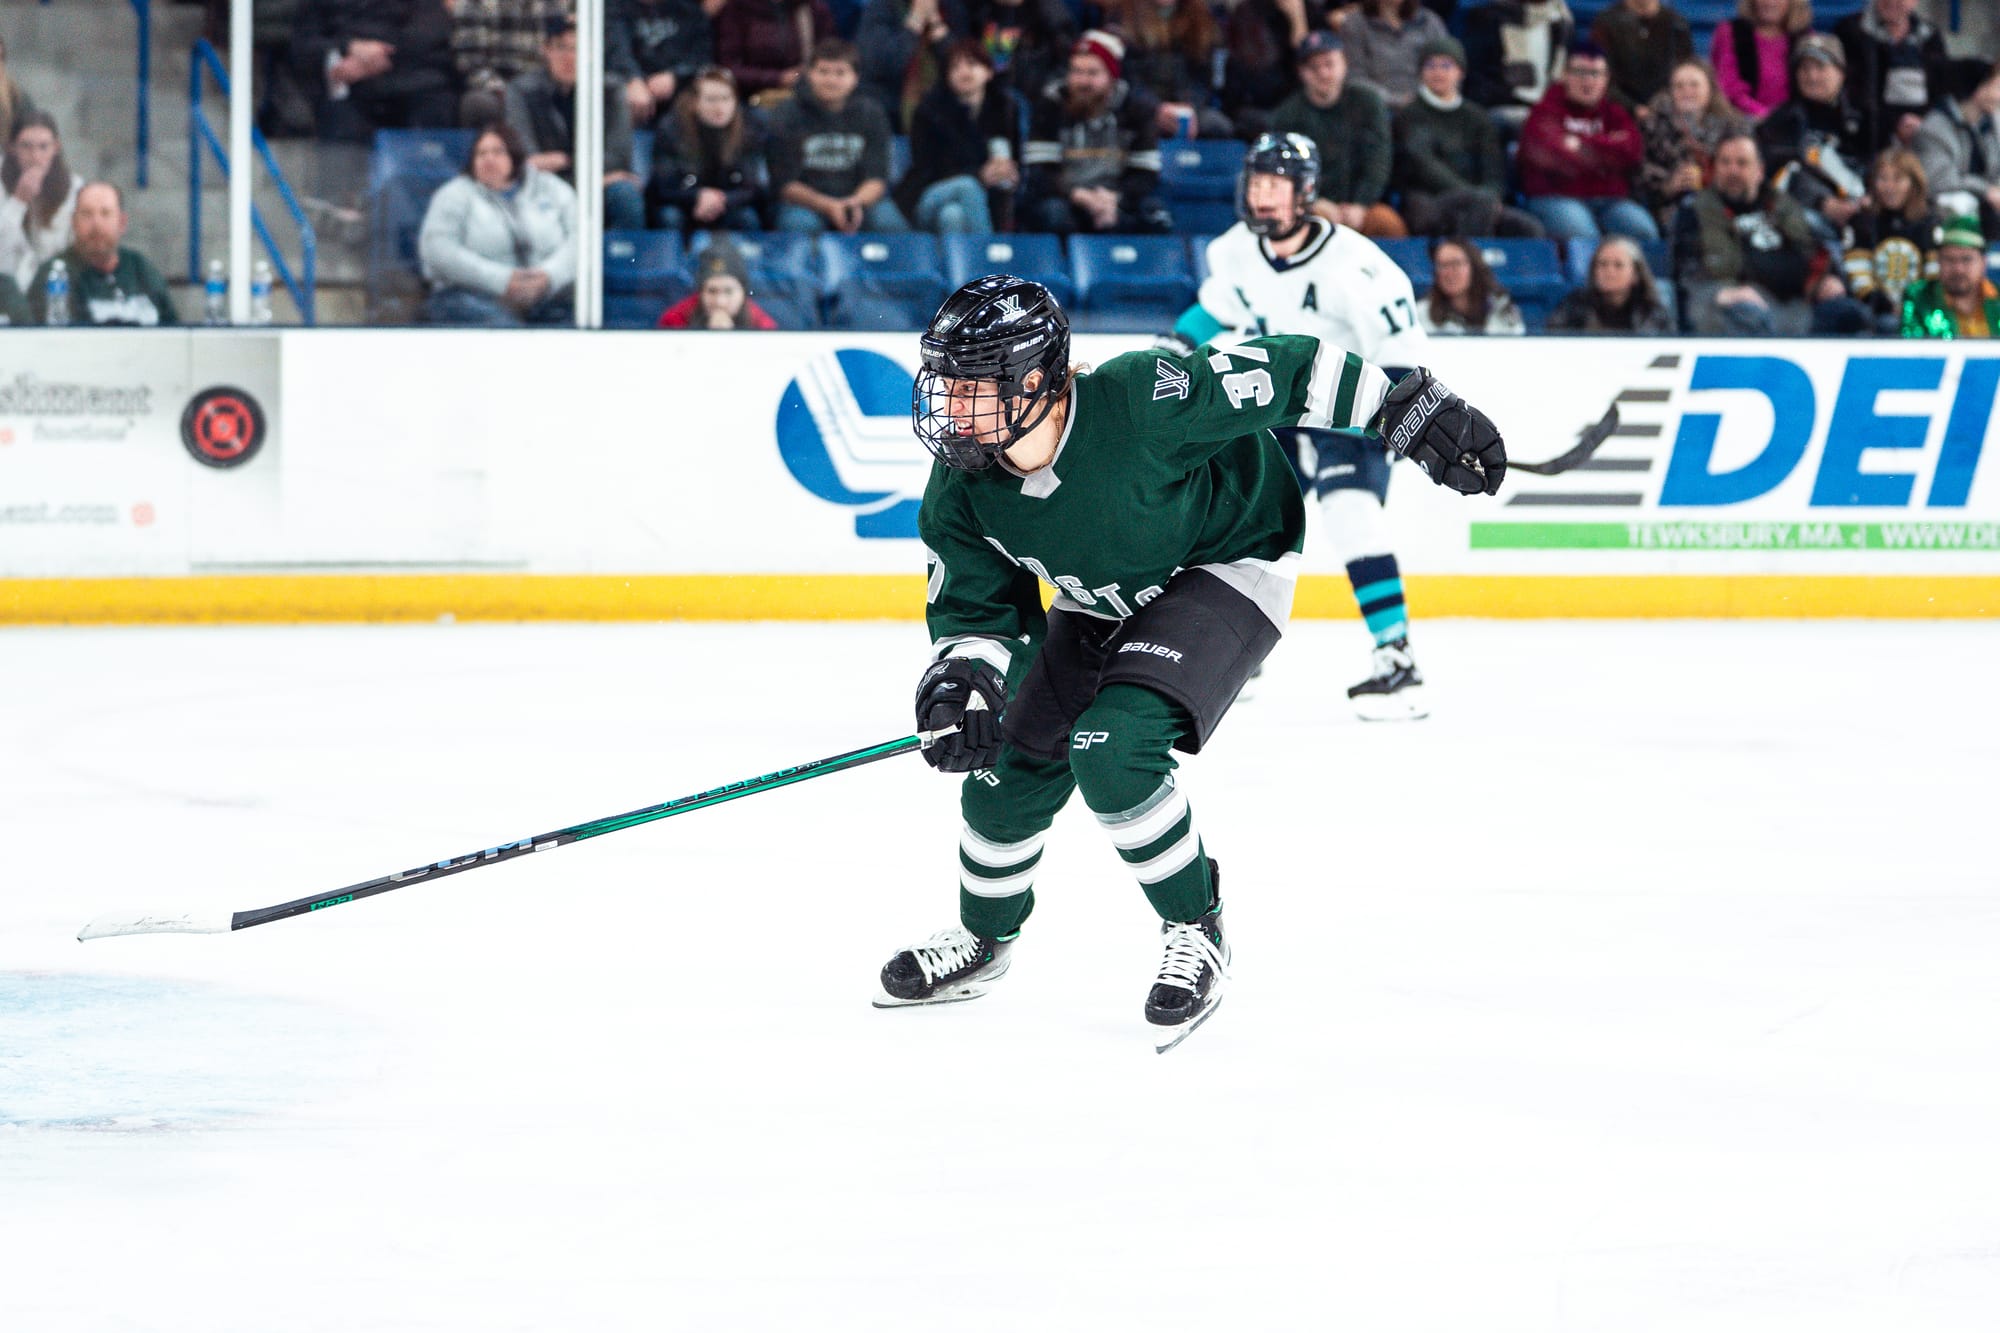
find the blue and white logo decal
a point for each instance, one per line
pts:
(844, 432)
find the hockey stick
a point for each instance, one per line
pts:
(215, 923)
(1587, 442)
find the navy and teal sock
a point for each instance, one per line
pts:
(1378, 587)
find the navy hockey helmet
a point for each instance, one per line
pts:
(998, 329)
(1296, 158)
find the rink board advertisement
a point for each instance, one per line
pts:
(345, 473)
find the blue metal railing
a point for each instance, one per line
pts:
(143, 11)
(200, 132)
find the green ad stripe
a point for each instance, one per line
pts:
(1738, 535)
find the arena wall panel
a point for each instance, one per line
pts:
(414, 474)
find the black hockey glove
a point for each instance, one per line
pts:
(1455, 443)
(966, 693)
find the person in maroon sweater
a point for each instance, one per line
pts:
(1579, 152)
(764, 43)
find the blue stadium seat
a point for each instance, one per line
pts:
(643, 262)
(632, 311)
(1531, 270)
(886, 280)
(784, 273)
(1203, 217)
(1413, 256)
(1038, 258)
(1194, 169)
(1198, 258)
(899, 156)
(1130, 284)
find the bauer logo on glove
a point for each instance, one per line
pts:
(1455, 443)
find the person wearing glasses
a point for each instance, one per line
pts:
(1579, 153)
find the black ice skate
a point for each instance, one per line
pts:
(1192, 974)
(1395, 693)
(951, 965)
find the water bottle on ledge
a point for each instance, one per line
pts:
(215, 294)
(56, 295)
(260, 293)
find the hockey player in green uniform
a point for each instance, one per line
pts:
(1152, 498)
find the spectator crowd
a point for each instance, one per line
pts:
(1772, 175)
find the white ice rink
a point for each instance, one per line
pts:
(1663, 994)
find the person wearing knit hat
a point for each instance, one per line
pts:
(1961, 302)
(1103, 47)
(721, 298)
(1815, 143)
(1093, 153)
(1449, 162)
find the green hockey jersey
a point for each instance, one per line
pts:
(1166, 463)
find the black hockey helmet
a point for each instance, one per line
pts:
(998, 328)
(1293, 156)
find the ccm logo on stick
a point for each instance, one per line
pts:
(1156, 649)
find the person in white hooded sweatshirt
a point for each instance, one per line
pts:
(498, 244)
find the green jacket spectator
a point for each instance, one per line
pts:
(1449, 163)
(1355, 145)
(1926, 315)
(1961, 302)
(1350, 123)
(108, 284)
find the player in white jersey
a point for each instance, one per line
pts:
(1285, 269)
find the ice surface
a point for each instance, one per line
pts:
(1663, 995)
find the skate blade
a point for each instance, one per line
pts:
(1403, 706)
(884, 1000)
(1185, 1030)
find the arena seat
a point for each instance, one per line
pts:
(1413, 256)
(1038, 258)
(1202, 217)
(1200, 169)
(1127, 284)
(1531, 270)
(643, 261)
(885, 280)
(644, 272)
(630, 310)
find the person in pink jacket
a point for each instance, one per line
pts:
(1579, 153)
(1752, 53)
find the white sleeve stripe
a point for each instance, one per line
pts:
(990, 651)
(1320, 386)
